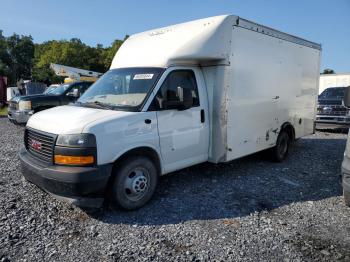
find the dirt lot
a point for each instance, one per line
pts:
(250, 209)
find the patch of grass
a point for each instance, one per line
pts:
(3, 111)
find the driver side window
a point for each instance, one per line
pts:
(184, 79)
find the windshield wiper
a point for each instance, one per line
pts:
(97, 104)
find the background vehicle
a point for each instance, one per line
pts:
(51, 88)
(331, 111)
(22, 107)
(333, 80)
(214, 89)
(73, 74)
(12, 91)
(27, 87)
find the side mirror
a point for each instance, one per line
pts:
(73, 93)
(347, 97)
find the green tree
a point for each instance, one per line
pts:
(21, 58)
(328, 71)
(110, 52)
(21, 51)
(4, 56)
(16, 53)
(71, 53)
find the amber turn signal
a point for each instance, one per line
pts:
(74, 160)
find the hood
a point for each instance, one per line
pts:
(69, 119)
(33, 97)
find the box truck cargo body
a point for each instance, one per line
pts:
(214, 89)
(256, 78)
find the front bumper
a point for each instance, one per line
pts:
(332, 122)
(82, 186)
(346, 174)
(20, 117)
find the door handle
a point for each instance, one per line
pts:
(276, 97)
(202, 116)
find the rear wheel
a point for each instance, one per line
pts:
(280, 151)
(346, 198)
(135, 182)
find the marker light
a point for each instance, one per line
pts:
(74, 160)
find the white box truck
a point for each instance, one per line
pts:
(214, 89)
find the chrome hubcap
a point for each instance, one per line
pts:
(136, 184)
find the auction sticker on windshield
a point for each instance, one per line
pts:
(143, 76)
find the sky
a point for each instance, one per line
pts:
(322, 21)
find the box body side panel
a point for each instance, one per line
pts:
(271, 82)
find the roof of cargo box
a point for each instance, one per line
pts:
(197, 42)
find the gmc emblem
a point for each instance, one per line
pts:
(36, 145)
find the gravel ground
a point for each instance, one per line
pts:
(247, 210)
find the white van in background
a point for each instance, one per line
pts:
(214, 89)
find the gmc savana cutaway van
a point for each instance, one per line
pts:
(214, 89)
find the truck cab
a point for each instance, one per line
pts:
(21, 108)
(143, 113)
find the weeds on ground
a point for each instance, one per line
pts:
(3, 111)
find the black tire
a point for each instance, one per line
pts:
(135, 182)
(346, 198)
(280, 151)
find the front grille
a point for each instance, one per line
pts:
(330, 102)
(326, 118)
(40, 144)
(332, 110)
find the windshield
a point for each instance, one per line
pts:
(333, 93)
(57, 90)
(122, 88)
(49, 89)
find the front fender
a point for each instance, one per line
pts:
(117, 135)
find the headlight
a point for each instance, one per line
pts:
(76, 150)
(24, 105)
(78, 140)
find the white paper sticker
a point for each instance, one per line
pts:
(143, 76)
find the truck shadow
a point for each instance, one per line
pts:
(241, 187)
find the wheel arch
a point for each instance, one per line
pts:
(288, 127)
(147, 151)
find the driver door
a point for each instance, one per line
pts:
(183, 134)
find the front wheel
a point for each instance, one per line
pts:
(135, 182)
(280, 151)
